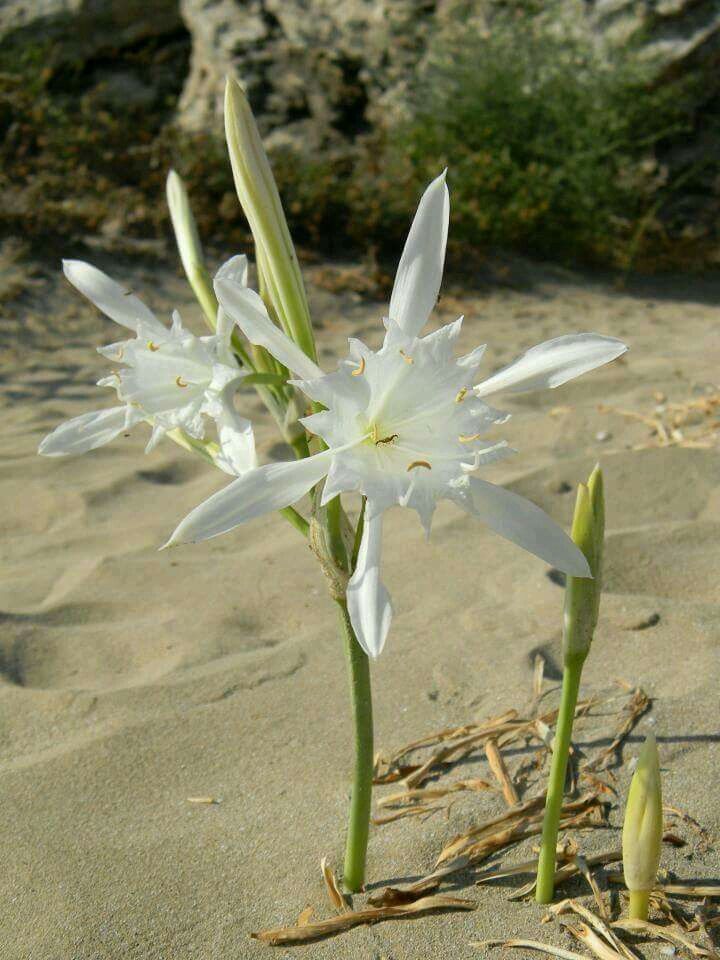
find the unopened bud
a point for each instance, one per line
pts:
(261, 204)
(188, 242)
(643, 830)
(582, 595)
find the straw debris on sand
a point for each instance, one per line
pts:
(462, 854)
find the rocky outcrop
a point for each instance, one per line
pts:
(672, 34)
(74, 31)
(318, 72)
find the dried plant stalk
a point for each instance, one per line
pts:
(599, 925)
(669, 934)
(432, 793)
(410, 811)
(595, 943)
(697, 890)
(286, 936)
(497, 765)
(585, 870)
(630, 714)
(530, 809)
(335, 894)
(536, 945)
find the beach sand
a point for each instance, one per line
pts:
(132, 680)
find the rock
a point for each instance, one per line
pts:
(672, 34)
(79, 30)
(317, 73)
(320, 72)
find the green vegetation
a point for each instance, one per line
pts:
(553, 148)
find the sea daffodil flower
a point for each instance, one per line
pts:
(402, 425)
(168, 377)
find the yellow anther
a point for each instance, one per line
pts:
(152, 346)
(469, 439)
(360, 370)
(418, 463)
(393, 436)
(461, 395)
(180, 382)
(406, 358)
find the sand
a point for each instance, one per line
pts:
(131, 680)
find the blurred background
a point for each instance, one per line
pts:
(584, 131)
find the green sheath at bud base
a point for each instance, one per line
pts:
(643, 830)
(582, 596)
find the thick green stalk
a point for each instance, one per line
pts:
(556, 783)
(361, 699)
(639, 904)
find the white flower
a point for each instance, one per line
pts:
(403, 425)
(168, 377)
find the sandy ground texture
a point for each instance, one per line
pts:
(132, 680)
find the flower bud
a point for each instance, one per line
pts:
(582, 595)
(261, 204)
(643, 829)
(188, 242)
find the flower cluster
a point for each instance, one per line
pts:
(403, 425)
(167, 377)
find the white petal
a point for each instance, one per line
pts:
(272, 487)
(525, 524)
(158, 432)
(236, 268)
(553, 363)
(86, 432)
(237, 445)
(419, 274)
(108, 296)
(472, 359)
(248, 311)
(367, 599)
(235, 433)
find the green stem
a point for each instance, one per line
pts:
(361, 699)
(545, 887)
(639, 904)
(296, 519)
